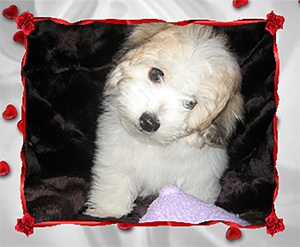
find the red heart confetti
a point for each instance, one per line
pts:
(124, 226)
(233, 233)
(10, 112)
(11, 12)
(20, 126)
(239, 3)
(4, 168)
(19, 37)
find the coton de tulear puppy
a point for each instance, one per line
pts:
(171, 103)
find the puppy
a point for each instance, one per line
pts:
(171, 103)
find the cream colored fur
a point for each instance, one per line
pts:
(188, 148)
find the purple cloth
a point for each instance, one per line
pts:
(174, 205)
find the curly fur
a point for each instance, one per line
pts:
(188, 147)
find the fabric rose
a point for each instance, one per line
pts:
(25, 22)
(28, 27)
(274, 22)
(272, 219)
(274, 224)
(271, 27)
(271, 15)
(20, 20)
(25, 224)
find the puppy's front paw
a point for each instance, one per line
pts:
(105, 205)
(105, 211)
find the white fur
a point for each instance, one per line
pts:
(130, 162)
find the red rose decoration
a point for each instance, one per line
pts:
(274, 224)
(271, 15)
(28, 27)
(25, 22)
(274, 22)
(25, 224)
(271, 27)
(20, 21)
(272, 219)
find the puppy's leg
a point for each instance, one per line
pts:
(112, 194)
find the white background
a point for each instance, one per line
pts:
(11, 90)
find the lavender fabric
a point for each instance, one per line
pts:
(174, 205)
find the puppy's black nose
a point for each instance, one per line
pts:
(149, 122)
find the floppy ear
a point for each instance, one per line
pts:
(220, 105)
(217, 128)
(116, 75)
(223, 125)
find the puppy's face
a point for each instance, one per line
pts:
(173, 83)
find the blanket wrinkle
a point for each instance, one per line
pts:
(256, 48)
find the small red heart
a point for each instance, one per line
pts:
(11, 12)
(124, 226)
(19, 37)
(10, 112)
(233, 233)
(20, 126)
(4, 168)
(239, 3)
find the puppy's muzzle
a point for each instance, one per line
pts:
(149, 122)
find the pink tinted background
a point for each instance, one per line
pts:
(11, 91)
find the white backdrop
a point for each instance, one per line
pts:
(11, 90)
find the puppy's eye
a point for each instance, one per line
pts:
(189, 104)
(156, 75)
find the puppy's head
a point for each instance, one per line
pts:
(173, 81)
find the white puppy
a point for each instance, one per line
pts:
(171, 102)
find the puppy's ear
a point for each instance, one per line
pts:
(220, 105)
(224, 123)
(116, 75)
(218, 133)
(113, 78)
